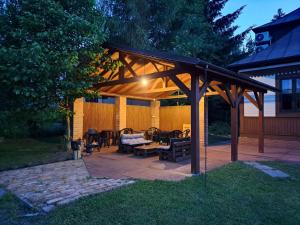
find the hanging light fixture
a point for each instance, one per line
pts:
(144, 82)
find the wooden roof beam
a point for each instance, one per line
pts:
(151, 76)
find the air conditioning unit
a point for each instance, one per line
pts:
(262, 37)
(259, 48)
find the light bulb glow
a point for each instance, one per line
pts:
(144, 81)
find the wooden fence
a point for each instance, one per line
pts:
(173, 117)
(138, 117)
(99, 116)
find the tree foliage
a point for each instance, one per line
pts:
(48, 51)
(189, 27)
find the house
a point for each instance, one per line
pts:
(276, 63)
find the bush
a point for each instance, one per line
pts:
(18, 124)
(219, 128)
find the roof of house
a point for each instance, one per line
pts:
(291, 17)
(285, 50)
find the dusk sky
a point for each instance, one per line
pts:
(258, 12)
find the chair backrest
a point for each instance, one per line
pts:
(176, 134)
(186, 133)
(126, 131)
(92, 131)
(176, 140)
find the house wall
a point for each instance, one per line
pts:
(269, 101)
(276, 123)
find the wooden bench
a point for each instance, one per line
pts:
(178, 150)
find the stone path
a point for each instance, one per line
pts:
(268, 170)
(46, 186)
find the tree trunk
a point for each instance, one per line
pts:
(68, 132)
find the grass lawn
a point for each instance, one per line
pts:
(234, 194)
(16, 153)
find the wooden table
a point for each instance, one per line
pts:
(146, 150)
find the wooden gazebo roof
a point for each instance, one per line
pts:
(158, 75)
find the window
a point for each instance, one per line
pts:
(298, 93)
(102, 99)
(287, 96)
(290, 95)
(138, 102)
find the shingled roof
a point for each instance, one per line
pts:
(285, 50)
(292, 17)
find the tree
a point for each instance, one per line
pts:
(278, 15)
(188, 27)
(50, 52)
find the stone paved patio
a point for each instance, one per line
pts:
(54, 184)
(108, 163)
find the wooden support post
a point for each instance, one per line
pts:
(195, 135)
(120, 112)
(261, 127)
(203, 121)
(155, 104)
(234, 124)
(78, 119)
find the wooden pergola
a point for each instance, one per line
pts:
(155, 75)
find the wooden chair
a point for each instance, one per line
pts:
(152, 134)
(186, 133)
(105, 137)
(91, 140)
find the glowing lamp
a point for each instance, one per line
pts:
(144, 81)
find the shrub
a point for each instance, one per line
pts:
(219, 128)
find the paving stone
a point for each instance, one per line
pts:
(268, 170)
(54, 184)
(48, 208)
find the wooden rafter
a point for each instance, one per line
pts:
(151, 76)
(221, 93)
(181, 85)
(252, 100)
(229, 95)
(203, 88)
(128, 66)
(258, 100)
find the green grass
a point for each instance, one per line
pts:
(12, 211)
(235, 194)
(17, 153)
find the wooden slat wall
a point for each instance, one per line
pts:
(274, 126)
(173, 117)
(99, 116)
(138, 117)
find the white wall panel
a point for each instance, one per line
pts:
(270, 100)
